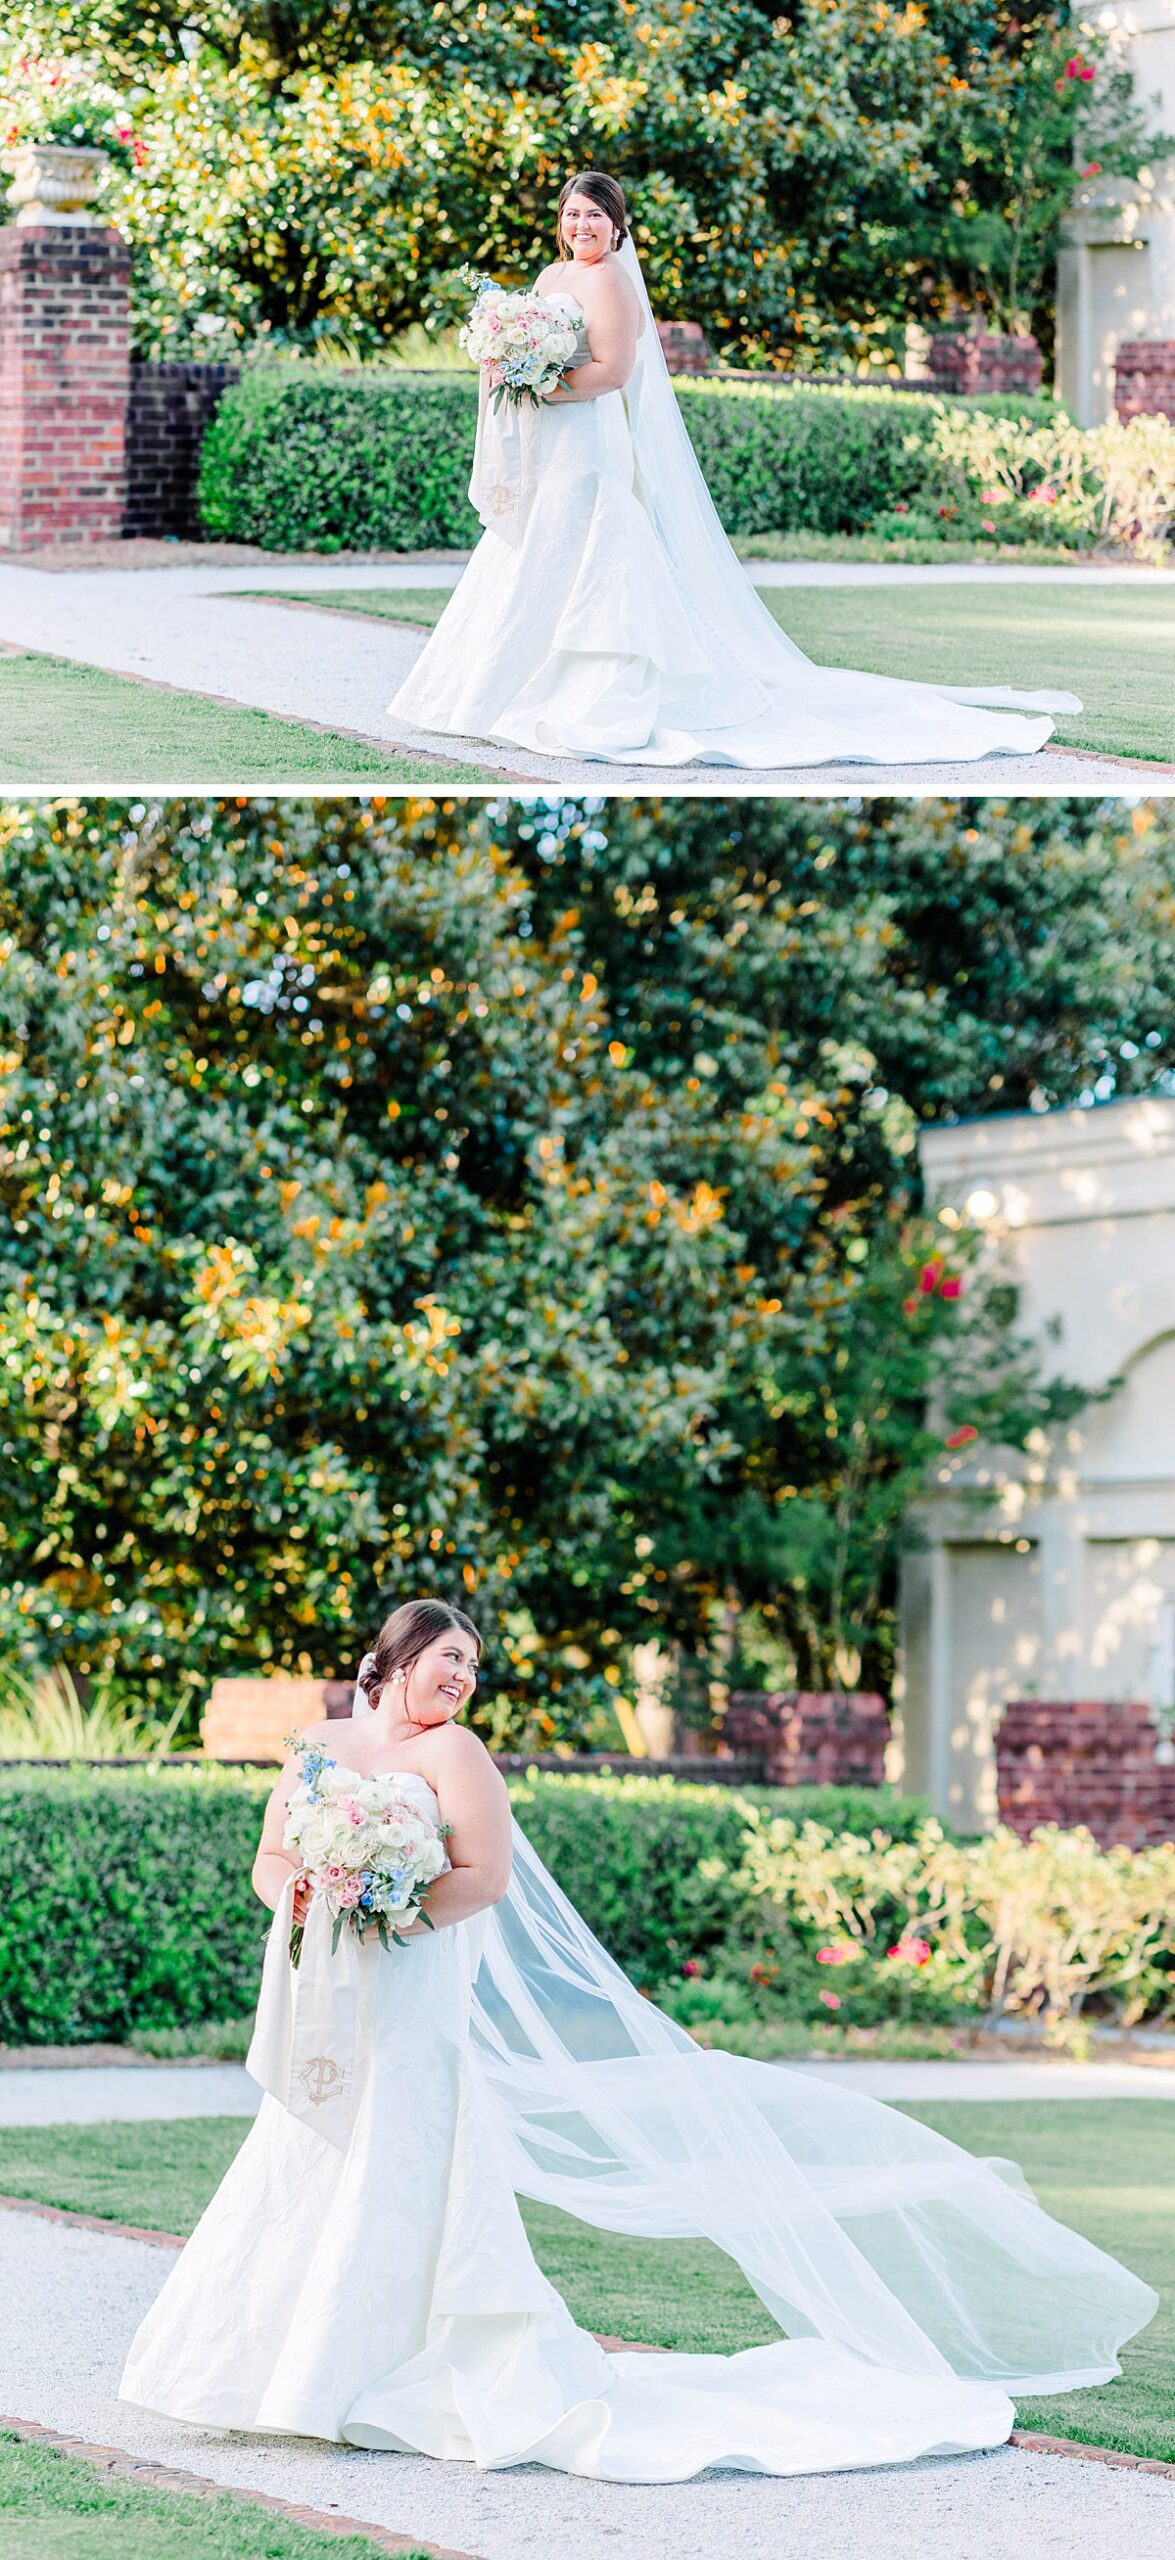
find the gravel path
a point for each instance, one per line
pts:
(82, 2295)
(180, 627)
(114, 2093)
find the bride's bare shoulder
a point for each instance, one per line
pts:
(550, 275)
(456, 1753)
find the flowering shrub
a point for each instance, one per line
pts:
(1112, 485)
(930, 1925)
(58, 98)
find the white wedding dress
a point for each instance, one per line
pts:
(604, 614)
(363, 2274)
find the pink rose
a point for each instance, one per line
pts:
(831, 1999)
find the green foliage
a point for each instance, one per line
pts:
(128, 1901)
(129, 1904)
(47, 1720)
(801, 184)
(130, 1912)
(297, 458)
(520, 1202)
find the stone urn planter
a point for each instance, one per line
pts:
(56, 182)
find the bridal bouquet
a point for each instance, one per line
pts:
(522, 342)
(365, 1847)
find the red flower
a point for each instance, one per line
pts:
(931, 1275)
(911, 1951)
(958, 1439)
(690, 1969)
(951, 1289)
(830, 1999)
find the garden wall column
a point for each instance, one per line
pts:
(811, 1739)
(64, 376)
(1116, 271)
(1086, 1761)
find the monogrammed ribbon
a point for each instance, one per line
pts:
(305, 2037)
(502, 483)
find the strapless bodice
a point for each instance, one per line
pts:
(403, 1777)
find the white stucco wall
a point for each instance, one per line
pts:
(1116, 272)
(1063, 1584)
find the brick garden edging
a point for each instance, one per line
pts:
(1022, 2438)
(193, 2484)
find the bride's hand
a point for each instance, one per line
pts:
(303, 1896)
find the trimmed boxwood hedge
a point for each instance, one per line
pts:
(128, 1902)
(297, 459)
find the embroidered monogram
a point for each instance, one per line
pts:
(321, 2078)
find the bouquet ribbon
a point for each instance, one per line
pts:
(503, 479)
(306, 2031)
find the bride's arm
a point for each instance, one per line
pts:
(473, 1800)
(612, 325)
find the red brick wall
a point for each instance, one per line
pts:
(1085, 1762)
(960, 362)
(64, 360)
(810, 1739)
(1144, 378)
(683, 346)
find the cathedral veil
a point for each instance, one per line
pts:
(852, 2222)
(724, 599)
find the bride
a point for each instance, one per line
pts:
(363, 2273)
(603, 613)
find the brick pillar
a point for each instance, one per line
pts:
(684, 346)
(962, 361)
(823, 1738)
(1144, 378)
(1081, 1761)
(64, 377)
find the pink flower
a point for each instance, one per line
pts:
(690, 1969)
(987, 525)
(951, 1289)
(958, 1439)
(830, 1999)
(1047, 494)
(911, 1951)
(354, 1812)
(931, 1274)
(831, 1955)
(348, 1893)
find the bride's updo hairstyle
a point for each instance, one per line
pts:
(405, 1636)
(602, 190)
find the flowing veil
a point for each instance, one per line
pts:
(724, 599)
(853, 2223)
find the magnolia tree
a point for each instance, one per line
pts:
(520, 1203)
(803, 184)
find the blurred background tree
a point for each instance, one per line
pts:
(521, 1201)
(802, 184)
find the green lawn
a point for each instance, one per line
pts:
(1113, 645)
(1104, 2165)
(55, 2507)
(72, 726)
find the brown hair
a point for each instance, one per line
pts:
(403, 1638)
(602, 190)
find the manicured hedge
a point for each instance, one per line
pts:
(128, 1901)
(302, 460)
